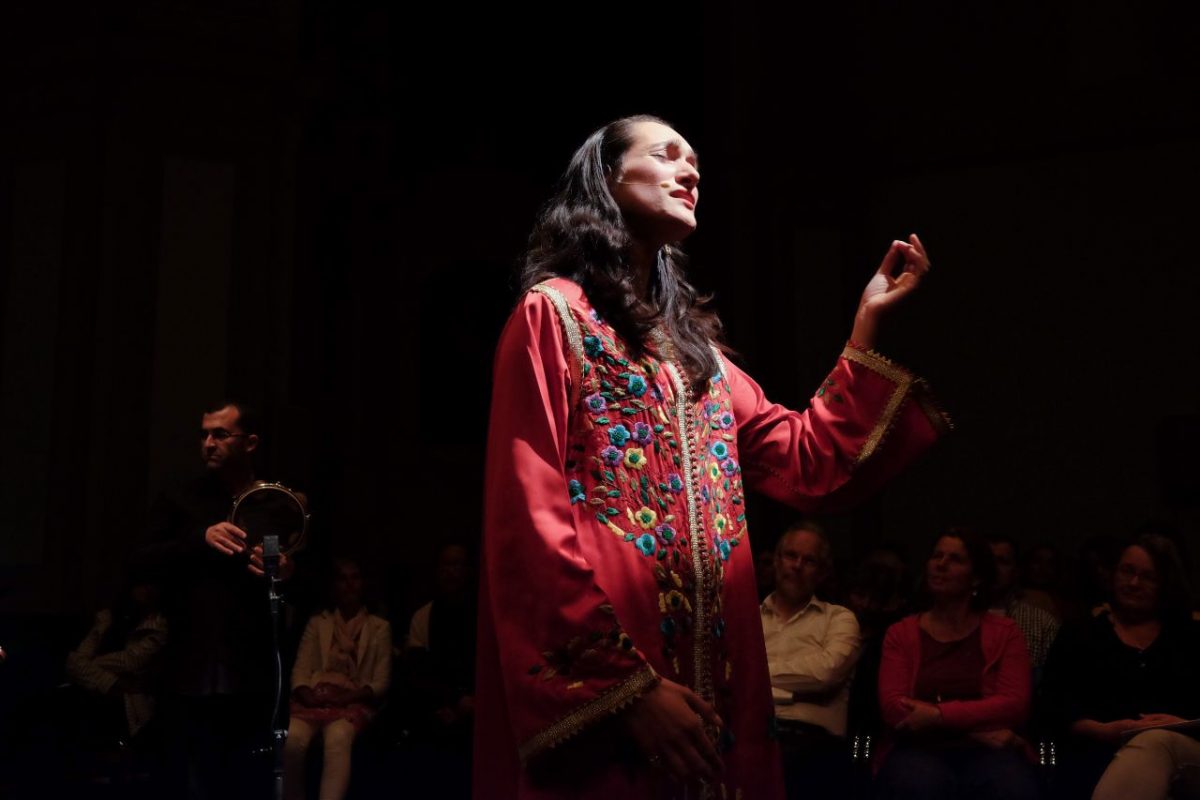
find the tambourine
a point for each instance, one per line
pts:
(271, 509)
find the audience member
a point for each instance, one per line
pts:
(812, 646)
(954, 687)
(443, 631)
(117, 661)
(340, 677)
(878, 593)
(440, 661)
(1098, 557)
(1041, 580)
(98, 726)
(1129, 668)
(1038, 625)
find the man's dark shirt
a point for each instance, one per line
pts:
(220, 641)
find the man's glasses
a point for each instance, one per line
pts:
(219, 435)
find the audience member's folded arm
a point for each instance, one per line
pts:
(821, 670)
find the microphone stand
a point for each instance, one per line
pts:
(278, 732)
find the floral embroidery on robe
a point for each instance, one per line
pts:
(615, 541)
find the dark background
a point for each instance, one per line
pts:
(317, 206)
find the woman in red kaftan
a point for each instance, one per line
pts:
(621, 652)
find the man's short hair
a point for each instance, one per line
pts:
(809, 526)
(248, 417)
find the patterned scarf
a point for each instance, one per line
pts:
(343, 649)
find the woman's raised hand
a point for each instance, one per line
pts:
(886, 288)
(667, 724)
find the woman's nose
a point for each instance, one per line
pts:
(689, 176)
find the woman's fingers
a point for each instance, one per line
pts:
(915, 241)
(919, 250)
(891, 258)
(710, 760)
(676, 765)
(701, 707)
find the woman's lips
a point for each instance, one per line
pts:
(686, 197)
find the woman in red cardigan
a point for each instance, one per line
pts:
(954, 687)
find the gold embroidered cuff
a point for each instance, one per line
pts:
(906, 385)
(610, 702)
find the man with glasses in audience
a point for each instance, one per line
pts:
(812, 647)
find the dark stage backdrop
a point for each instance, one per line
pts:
(317, 207)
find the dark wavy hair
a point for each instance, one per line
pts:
(582, 235)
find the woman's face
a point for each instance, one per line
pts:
(1135, 581)
(347, 586)
(656, 184)
(949, 573)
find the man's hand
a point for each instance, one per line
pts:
(667, 724)
(286, 567)
(225, 537)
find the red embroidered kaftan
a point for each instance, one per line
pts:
(615, 543)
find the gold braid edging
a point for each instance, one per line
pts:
(720, 361)
(610, 702)
(938, 417)
(574, 337)
(906, 386)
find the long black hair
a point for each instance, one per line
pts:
(582, 235)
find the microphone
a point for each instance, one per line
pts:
(271, 556)
(663, 185)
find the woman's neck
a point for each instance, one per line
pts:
(1131, 618)
(643, 258)
(952, 615)
(349, 612)
(1136, 629)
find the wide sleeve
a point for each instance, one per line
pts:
(565, 660)
(1008, 705)
(896, 672)
(868, 420)
(308, 656)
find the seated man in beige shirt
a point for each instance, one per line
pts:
(812, 647)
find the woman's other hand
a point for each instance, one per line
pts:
(921, 716)
(886, 289)
(667, 724)
(305, 696)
